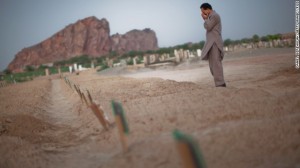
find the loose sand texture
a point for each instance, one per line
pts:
(254, 122)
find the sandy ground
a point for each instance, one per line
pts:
(254, 122)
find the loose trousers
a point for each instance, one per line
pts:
(215, 65)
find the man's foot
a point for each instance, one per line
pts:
(224, 85)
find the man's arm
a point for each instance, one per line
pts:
(211, 22)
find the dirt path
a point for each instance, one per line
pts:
(60, 111)
(76, 143)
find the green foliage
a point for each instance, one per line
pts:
(103, 67)
(164, 50)
(64, 69)
(116, 60)
(235, 42)
(150, 52)
(132, 54)
(245, 40)
(198, 45)
(270, 37)
(139, 60)
(273, 37)
(29, 68)
(112, 54)
(100, 60)
(30, 75)
(130, 61)
(255, 38)
(264, 38)
(228, 42)
(7, 71)
(22, 77)
(83, 60)
(184, 46)
(42, 67)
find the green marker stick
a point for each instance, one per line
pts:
(121, 123)
(189, 150)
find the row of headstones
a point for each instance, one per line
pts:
(72, 68)
(180, 55)
(261, 44)
(188, 148)
(75, 67)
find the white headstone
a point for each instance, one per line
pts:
(123, 62)
(47, 72)
(177, 57)
(199, 52)
(75, 67)
(70, 69)
(152, 58)
(146, 60)
(92, 65)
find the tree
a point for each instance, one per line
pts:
(7, 71)
(42, 67)
(132, 53)
(235, 42)
(273, 37)
(264, 38)
(246, 40)
(164, 50)
(112, 54)
(201, 44)
(150, 52)
(227, 42)
(255, 38)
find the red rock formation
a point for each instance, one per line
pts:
(134, 40)
(89, 36)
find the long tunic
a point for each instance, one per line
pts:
(213, 28)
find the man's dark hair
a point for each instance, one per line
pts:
(206, 6)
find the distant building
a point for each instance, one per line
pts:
(286, 36)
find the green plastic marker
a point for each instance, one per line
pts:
(121, 123)
(118, 111)
(189, 150)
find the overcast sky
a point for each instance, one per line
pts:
(24, 23)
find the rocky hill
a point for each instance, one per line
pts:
(134, 40)
(89, 36)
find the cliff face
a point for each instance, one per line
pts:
(89, 36)
(134, 40)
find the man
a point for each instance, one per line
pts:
(213, 47)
